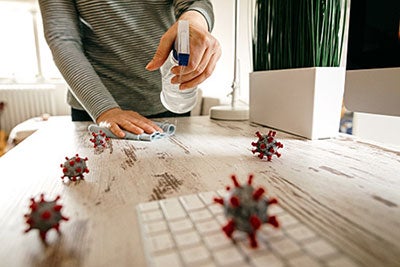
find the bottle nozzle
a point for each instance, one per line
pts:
(182, 45)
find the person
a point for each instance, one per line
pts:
(109, 52)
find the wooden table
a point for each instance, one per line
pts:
(346, 189)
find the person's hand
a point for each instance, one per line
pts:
(128, 120)
(205, 51)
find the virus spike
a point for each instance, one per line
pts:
(250, 179)
(64, 218)
(253, 240)
(43, 236)
(235, 181)
(57, 227)
(272, 201)
(219, 200)
(258, 193)
(229, 228)
(273, 221)
(234, 201)
(255, 222)
(278, 154)
(78, 159)
(258, 134)
(57, 207)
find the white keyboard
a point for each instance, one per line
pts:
(186, 231)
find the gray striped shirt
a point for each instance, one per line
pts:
(102, 47)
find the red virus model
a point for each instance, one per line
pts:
(44, 215)
(266, 145)
(99, 139)
(246, 209)
(74, 168)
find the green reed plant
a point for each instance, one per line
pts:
(298, 33)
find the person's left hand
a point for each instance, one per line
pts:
(205, 51)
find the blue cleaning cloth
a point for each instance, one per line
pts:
(168, 128)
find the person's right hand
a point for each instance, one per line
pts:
(128, 120)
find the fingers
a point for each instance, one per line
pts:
(204, 55)
(130, 121)
(163, 49)
(200, 73)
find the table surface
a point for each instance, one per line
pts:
(346, 189)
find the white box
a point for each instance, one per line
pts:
(305, 101)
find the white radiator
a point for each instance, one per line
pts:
(24, 101)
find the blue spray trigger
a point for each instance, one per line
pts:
(182, 58)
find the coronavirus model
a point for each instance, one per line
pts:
(44, 215)
(266, 145)
(74, 168)
(99, 140)
(246, 209)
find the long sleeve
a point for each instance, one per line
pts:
(62, 32)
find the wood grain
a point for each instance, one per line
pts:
(345, 188)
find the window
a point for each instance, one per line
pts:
(24, 54)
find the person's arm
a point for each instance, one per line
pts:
(61, 28)
(205, 50)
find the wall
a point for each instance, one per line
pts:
(220, 82)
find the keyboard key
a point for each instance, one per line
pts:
(304, 260)
(187, 239)
(154, 227)
(195, 255)
(217, 240)
(269, 260)
(208, 227)
(154, 215)
(172, 209)
(285, 247)
(275, 210)
(268, 232)
(286, 220)
(200, 215)
(160, 242)
(341, 261)
(180, 225)
(320, 248)
(191, 202)
(216, 209)
(300, 233)
(172, 259)
(229, 257)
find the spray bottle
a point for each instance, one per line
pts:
(174, 99)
